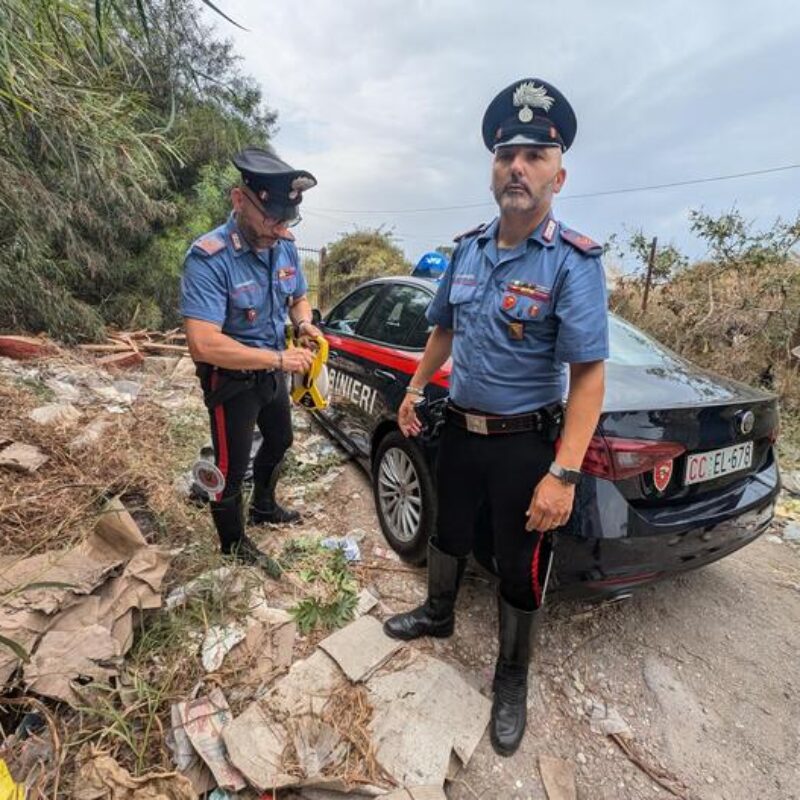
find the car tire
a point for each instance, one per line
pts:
(404, 496)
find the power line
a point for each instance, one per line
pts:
(603, 193)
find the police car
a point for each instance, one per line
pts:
(682, 469)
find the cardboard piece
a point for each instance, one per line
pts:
(558, 777)
(255, 745)
(360, 647)
(100, 777)
(185, 756)
(308, 686)
(444, 712)
(417, 793)
(81, 617)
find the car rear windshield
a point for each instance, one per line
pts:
(631, 347)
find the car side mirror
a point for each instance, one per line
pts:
(316, 316)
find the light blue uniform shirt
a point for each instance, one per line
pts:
(246, 292)
(519, 315)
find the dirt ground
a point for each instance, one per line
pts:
(703, 668)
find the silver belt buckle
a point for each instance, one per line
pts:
(476, 424)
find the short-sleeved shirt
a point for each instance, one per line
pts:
(519, 315)
(246, 292)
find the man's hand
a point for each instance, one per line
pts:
(407, 417)
(297, 359)
(308, 329)
(550, 506)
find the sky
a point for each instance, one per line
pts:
(382, 100)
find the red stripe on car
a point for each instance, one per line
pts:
(400, 360)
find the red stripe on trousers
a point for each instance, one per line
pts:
(222, 439)
(537, 589)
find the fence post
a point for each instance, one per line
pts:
(650, 264)
(321, 299)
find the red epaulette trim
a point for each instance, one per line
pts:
(479, 229)
(210, 245)
(580, 242)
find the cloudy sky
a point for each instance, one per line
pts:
(382, 100)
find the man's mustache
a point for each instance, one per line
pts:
(516, 185)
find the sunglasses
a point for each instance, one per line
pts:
(270, 218)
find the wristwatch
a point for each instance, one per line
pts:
(570, 477)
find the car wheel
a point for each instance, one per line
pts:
(404, 496)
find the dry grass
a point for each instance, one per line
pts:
(740, 323)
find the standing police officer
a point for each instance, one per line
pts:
(524, 295)
(239, 283)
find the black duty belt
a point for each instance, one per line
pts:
(234, 382)
(545, 420)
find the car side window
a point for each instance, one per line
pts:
(345, 317)
(396, 315)
(419, 336)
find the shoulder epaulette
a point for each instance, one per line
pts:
(209, 245)
(580, 242)
(472, 232)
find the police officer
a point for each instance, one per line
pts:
(239, 283)
(524, 295)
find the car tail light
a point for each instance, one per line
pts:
(615, 459)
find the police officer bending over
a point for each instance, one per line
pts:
(523, 296)
(239, 282)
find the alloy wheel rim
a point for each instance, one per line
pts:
(400, 494)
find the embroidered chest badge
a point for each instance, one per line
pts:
(509, 301)
(286, 272)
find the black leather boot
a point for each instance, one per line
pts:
(510, 706)
(436, 616)
(229, 522)
(264, 510)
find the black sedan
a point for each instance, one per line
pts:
(682, 469)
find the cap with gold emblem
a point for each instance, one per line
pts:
(278, 186)
(529, 112)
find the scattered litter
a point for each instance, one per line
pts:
(346, 544)
(203, 721)
(91, 434)
(418, 793)
(791, 533)
(185, 756)
(24, 457)
(61, 414)
(218, 642)
(360, 647)
(268, 645)
(366, 602)
(215, 584)
(606, 721)
(100, 777)
(317, 745)
(558, 777)
(790, 481)
(307, 686)
(382, 552)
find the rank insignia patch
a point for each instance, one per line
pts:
(516, 330)
(509, 301)
(237, 241)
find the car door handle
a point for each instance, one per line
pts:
(382, 373)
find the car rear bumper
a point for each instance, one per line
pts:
(638, 546)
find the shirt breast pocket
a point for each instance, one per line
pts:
(286, 280)
(463, 297)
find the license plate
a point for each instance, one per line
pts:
(702, 467)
